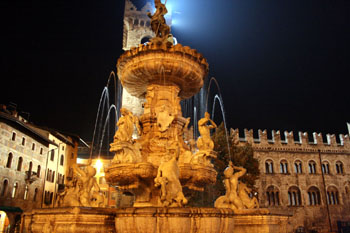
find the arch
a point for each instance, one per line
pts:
(145, 39)
(273, 196)
(332, 196)
(294, 196)
(5, 185)
(9, 160)
(35, 194)
(284, 166)
(19, 164)
(269, 166)
(298, 169)
(325, 167)
(62, 160)
(38, 170)
(14, 190)
(314, 196)
(312, 167)
(339, 167)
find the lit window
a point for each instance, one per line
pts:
(25, 193)
(14, 190)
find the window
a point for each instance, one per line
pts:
(13, 136)
(272, 196)
(325, 167)
(9, 160)
(38, 171)
(26, 193)
(33, 146)
(19, 164)
(41, 150)
(52, 157)
(62, 160)
(269, 166)
(62, 147)
(23, 141)
(53, 177)
(14, 190)
(142, 23)
(4, 187)
(312, 167)
(294, 196)
(48, 175)
(148, 23)
(35, 194)
(284, 167)
(314, 196)
(332, 196)
(298, 167)
(136, 22)
(339, 167)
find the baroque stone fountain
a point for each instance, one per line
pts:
(154, 162)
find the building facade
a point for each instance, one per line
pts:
(303, 176)
(23, 153)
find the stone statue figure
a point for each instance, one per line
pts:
(83, 190)
(204, 142)
(158, 22)
(235, 198)
(168, 180)
(125, 148)
(126, 126)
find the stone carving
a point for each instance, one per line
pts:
(158, 22)
(237, 194)
(204, 142)
(168, 180)
(125, 148)
(164, 118)
(83, 190)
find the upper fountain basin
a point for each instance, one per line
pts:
(157, 64)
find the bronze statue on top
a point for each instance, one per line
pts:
(158, 23)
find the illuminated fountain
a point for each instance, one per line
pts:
(152, 160)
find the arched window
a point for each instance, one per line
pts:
(48, 177)
(5, 185)
(19, 164)
(33, 146)
(53, 177)
(298, 167)
(25, 197)
(339, 167)
(148, 23)
(269, 166)
(51, 197)
(284, 167)
(325, 167)
(13, 138)
(38, 171)
(142, 23)
(14, 190)
(294, 196)
(272, 196)
(312, 167)
(30, 167)
(62, 160)
(332, 196)
(145, 39)
(52, 157)
(35, 194)
(136, 22)
(9, 160)
(314, 196)
(23, 141)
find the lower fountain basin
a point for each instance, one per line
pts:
(174, 220)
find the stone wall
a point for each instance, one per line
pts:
(303, 175)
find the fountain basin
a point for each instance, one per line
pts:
(155, 64)
(174, 220)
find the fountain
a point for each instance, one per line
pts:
(152, 160)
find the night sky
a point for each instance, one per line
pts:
(282, 65)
